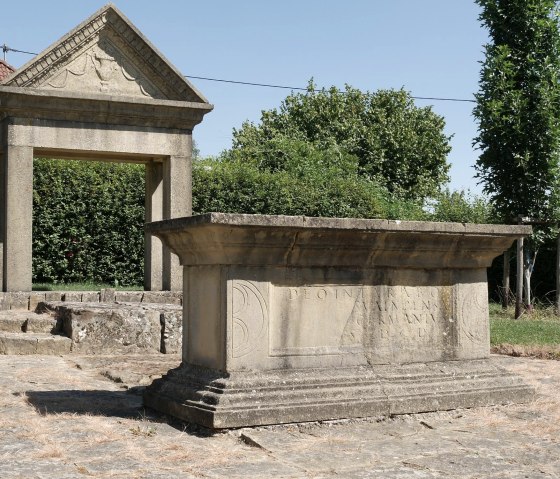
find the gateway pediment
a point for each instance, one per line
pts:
(106, 54)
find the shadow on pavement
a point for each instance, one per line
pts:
(94, 402)
(122, 404)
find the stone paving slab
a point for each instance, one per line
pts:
(61, 417)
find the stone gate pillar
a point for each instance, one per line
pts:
(153, 248)
(16, 199)
(177, 203)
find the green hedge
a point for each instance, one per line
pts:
(88, 222)
(237, 187)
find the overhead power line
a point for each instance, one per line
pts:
(6, 48)
(267, 85)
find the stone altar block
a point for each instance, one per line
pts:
(290, 319)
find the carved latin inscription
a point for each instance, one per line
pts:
(312, 319)
(383, 321)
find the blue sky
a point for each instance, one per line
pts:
(432, 48)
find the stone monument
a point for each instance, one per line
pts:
(102, 92)
(290, 319)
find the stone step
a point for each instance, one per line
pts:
(26, 321)
(12, 324)
(42, 323)
(34, 343)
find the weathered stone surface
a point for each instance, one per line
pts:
(4, 301)
(298, 241)
(42, 323)
(72, 296)
(107, 295)
(19, 301)
(322, 306)
(163, 297)
(234, 399)
(12, 321)
(97, 328)
(109, 328)
(172, 331)
(104, 431)
(34, 343)
(28, 322)
(53, 296)
(90, 296)
(129, 296)
(35, 298)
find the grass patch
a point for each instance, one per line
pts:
(541, 327)
(83, 287)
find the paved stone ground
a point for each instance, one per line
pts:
(66, 417)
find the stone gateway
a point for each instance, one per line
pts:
(290, 319)
(102, 92)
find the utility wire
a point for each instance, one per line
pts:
(267, 85)
(6, 48)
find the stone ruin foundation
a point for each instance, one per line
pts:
(290, 319)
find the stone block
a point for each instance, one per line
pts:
(163, 297)
(303, 319)
(129, 296)
(42, 323)
(171, 331)
(34, 343)
(53, 296)
(35, 298)
(219, 400)
(72, 296)
(19, 301)
(105, 329)
(4, 301)
(107, 295)
(90, 297)
(12, 322)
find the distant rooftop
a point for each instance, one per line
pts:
(5, 69)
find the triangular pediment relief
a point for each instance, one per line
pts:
(106, 55)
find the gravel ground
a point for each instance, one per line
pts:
(72, 417)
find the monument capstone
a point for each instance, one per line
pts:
(290, 319)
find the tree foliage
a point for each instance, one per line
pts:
(396, 144)
(313, 183)
(518, 107)
(462, 207)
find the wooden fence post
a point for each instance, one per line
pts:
(505, 281)
(520, 277)
(558, 274)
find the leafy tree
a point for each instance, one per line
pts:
(462, 207)
(314, 183)
(396, 144)
(518, 107)
(518, 111)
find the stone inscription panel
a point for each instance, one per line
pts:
(314, 320)
(385, 323)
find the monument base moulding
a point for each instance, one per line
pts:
(291, 319)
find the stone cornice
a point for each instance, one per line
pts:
(133, 111)
(297, 241)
